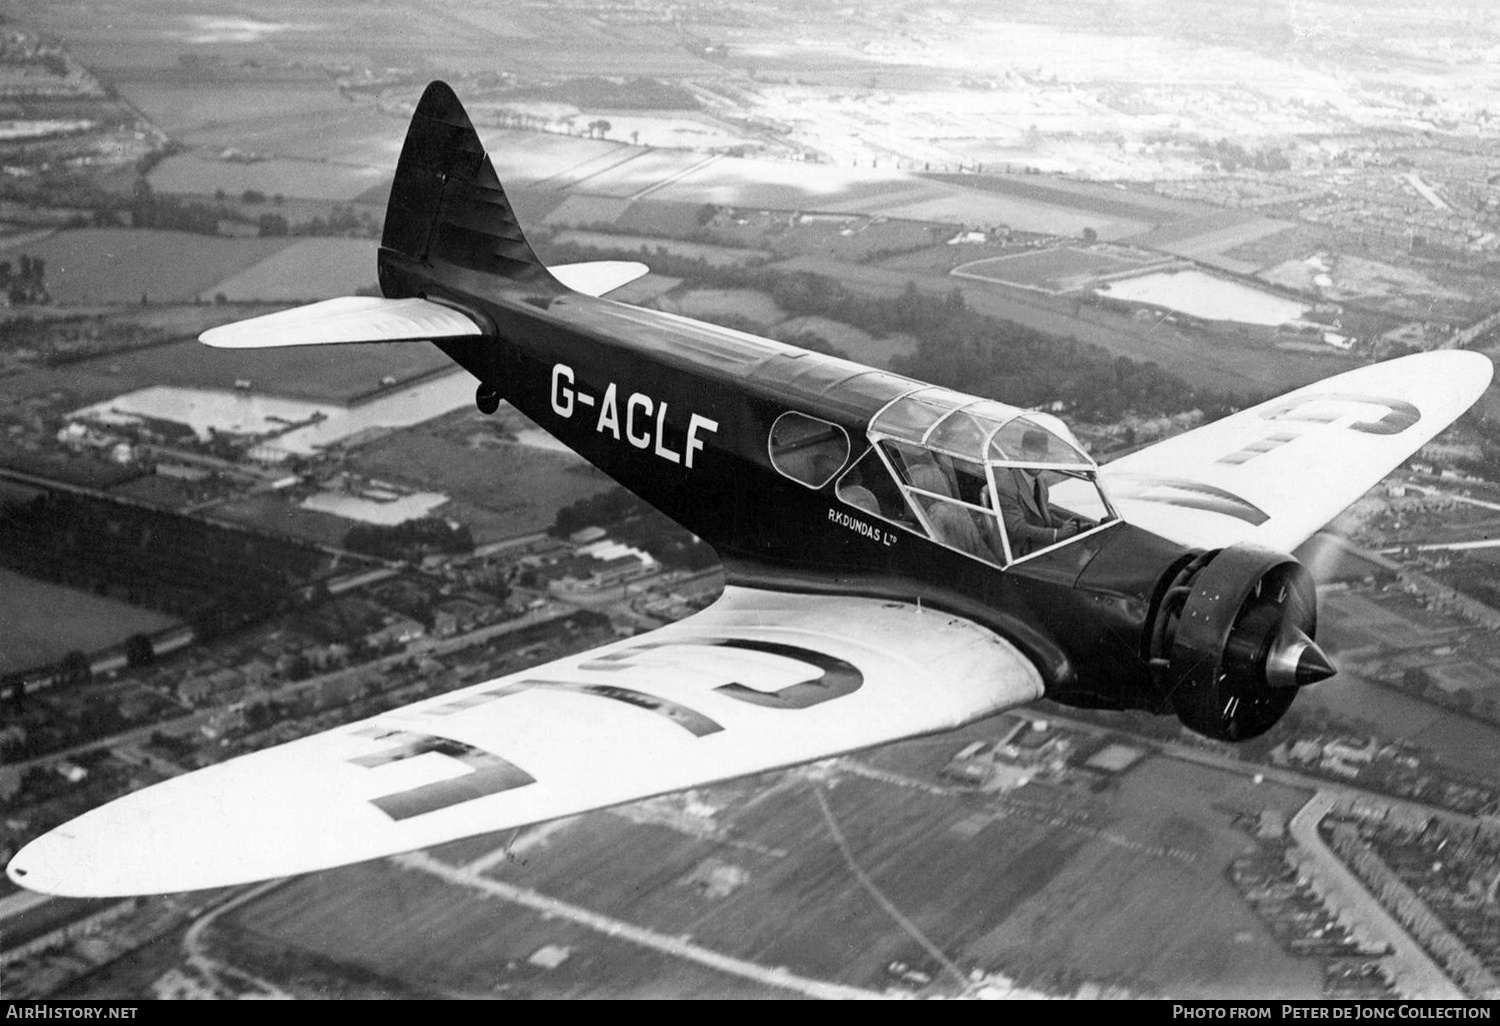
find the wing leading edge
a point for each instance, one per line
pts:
(1276, 473)
(756, 682)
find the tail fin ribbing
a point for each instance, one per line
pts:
(447, 205)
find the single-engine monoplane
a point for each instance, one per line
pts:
(900, 559)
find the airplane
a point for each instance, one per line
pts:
(881, 582)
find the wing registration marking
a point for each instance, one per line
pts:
(490, 773)
(838, 678)
(1189, 494)
(1328, 407)
(690, 720)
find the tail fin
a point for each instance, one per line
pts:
(449, 224)
(447, 207)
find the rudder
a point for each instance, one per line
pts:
(447, 207)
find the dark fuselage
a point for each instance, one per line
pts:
(680, 413)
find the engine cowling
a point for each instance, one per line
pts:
(1232, 640)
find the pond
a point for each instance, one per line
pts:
(1204, 295)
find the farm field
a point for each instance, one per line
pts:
(1211, 233)
(299, 177)
(860, 345)
(120, 265)
(317, 374)
(1226, 362)
(712, 304)
(273, 511)
(1096, 199)
(518, 488)
(307, 270)
(716, 256)
(1354, 624)
(964, 206)
(357, 136)
(1127, 889)
(45, 621)
(1050, 270)
(429, 936)
(1173, 924)
(547, 160)
(179, 108)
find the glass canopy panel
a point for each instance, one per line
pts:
(961, 433)
(910, 416)
(1025, 441)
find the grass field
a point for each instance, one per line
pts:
(1058, 888)
(1160, 925)
(44, 622)
(276, 512)
(185, 108)
(958, 206)
(308, 269)
(708, 304)
(446, 940)
(512, 489)
(326, 374)
(716, 256)
(1226, 361)
(120, 265)
(1051, 270)
(859, 345)
(306, 178)
(1095, 199)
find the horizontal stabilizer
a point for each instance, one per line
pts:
(349, 319)
(598, 277)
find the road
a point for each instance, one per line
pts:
(1469, 500)
(219, 979)
(680, 947)
(1411, 969)
(190, 722)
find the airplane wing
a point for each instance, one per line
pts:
(1276, 473)
(755, 682)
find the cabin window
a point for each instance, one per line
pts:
(868, 486)
(808, 450)
(951, 496)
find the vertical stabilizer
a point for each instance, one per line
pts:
(448, 213)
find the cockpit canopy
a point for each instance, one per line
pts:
(978, 430)
(992, 481)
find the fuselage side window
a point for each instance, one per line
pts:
(808, 450)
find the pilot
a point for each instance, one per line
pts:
(1030, 521)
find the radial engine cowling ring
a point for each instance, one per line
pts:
(1234, 642)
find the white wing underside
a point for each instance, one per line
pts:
(1274, 474)
(757, 681)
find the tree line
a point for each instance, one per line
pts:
(957, 346)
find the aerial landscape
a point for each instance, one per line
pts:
(1136, 215)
